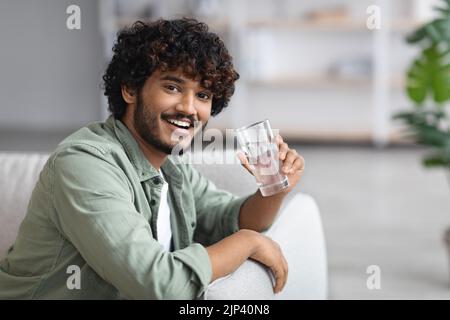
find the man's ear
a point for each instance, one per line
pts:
(129, 95)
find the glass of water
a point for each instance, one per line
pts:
(259, 144)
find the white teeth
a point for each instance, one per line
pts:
(180, 123)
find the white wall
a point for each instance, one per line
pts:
(49, 75)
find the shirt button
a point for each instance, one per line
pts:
(156, 180)
(152, 202)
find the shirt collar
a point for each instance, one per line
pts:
(142, 166)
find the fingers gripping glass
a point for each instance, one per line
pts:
(259, 145)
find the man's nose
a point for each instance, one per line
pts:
(187, 104)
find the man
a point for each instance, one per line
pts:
(113, 208)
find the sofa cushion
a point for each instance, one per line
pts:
(18, 175)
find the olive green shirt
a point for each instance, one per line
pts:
(90, 228)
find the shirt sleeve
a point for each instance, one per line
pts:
(94, 210)
(217, 210)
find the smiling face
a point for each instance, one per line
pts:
(169, 109)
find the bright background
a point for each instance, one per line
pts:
(328, 82)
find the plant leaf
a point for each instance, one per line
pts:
(422, 127)
(435, 31)
(429, 75)
(437, 159)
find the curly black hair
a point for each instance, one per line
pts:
(167, 45)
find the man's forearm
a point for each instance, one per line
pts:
(228, 254)
(258, 212)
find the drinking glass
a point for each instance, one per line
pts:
(258, 143)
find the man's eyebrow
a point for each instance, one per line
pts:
(173, 78)
(178, 80)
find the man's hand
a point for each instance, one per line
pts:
(269, 253)
(228, 254)
(291, 163)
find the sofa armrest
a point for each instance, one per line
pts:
(298, 230)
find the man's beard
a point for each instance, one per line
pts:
(146, 124)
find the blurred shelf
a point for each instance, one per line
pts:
(397, 82)
(328, 25)
(217, 24)
(408, 25)
(339, 25)
(331, 136)
(341, 135)
(324, 81)
(312, 81)
(398, 137)
(334, 136)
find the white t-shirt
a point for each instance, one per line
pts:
(163, 226)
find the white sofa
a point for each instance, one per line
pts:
(308, 280)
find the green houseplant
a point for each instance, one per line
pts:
(428, 86)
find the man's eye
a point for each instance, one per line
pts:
(172, 88)
(204, 96)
